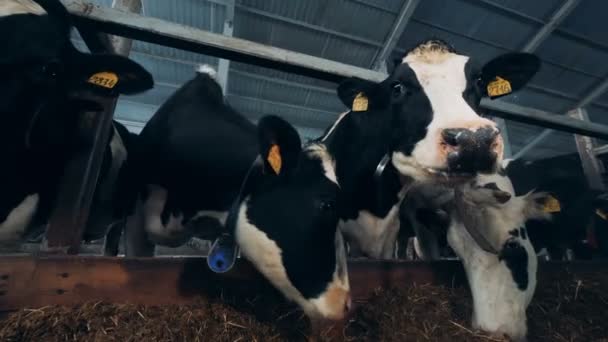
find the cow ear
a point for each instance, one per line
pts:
(356, 94)
(540, 206)
(279, 145)
(508, 73)
(111, 73)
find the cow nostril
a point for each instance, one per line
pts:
(512, 245)
(450, 135)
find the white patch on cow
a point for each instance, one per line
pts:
(506, 162)
(14, 226)
(174, 232)
(266, 256)
(329, 165)
(207, 69)
(218, 215)
(375, 236)
(333, 127)
(499, 306)
(442, 77)
(13, 7)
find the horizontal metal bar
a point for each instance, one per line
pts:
(601, 149)
(174, 35)
(537, 117)
(191, 39)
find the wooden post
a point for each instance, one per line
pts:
(73, 202)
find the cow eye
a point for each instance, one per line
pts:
(399, 90)
(52, 69)
(327, 205)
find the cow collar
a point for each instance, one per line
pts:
(381, 167)
(224, 251)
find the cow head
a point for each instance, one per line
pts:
(44, 75)
(489, 235)
(432, 99)
(287, 222)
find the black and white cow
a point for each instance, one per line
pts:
(421, 124)
(484, 224)
(198, 158)
(43, 75)
(578, 214)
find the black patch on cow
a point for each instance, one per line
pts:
(472, 93)
(524, 235)
(396, 119)
(514, 232)
(516, 258)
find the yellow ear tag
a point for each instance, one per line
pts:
(360, 103)
(274, 158)
(498, 87)
(601, 214)
(104, 79)
(552, 205)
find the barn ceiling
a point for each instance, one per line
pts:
(574, 55)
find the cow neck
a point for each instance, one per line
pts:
(360, 146)
(224, 250)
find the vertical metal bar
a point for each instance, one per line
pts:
(502, 125)
(73, 202)
(592, 167)
(393, 37)
(224, 64)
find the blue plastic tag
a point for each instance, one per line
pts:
(223, 254)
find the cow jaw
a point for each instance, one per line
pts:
(409, 166)
(266, 257)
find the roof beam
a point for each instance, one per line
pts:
(409, 6)
(556, 19)
(177, 36)
(174, 35)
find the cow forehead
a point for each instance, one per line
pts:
(443, 70)
(12, 7)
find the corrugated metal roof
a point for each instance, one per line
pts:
(353, 31)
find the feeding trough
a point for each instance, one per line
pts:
(165, 298)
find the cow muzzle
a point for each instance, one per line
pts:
(333, 305)
(470, 151)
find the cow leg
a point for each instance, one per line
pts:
(136, 240)
(13, 228)
(112, 241)
(162, 226)
(427, 244)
